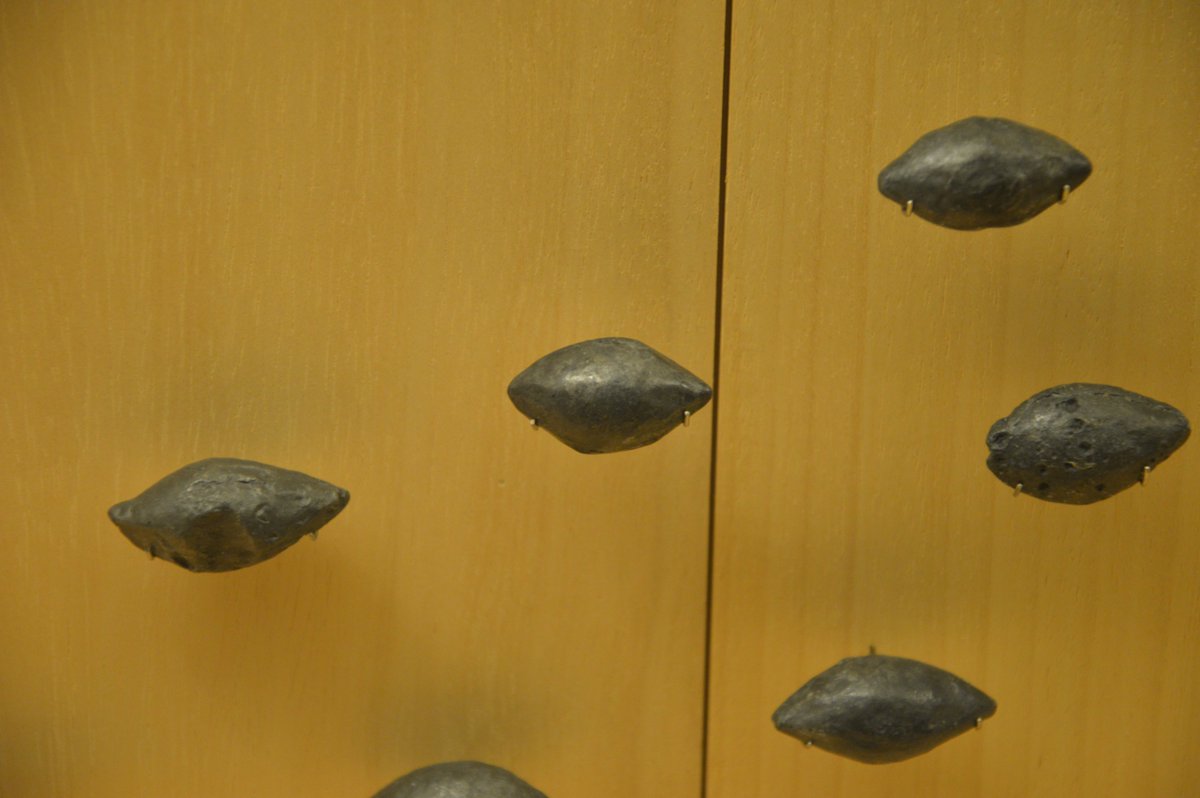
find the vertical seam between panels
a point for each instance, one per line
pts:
(716, 401)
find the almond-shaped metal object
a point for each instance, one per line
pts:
(222, 514)
(1080, 443)
(879, 709)
(608, 394)
(984, 172)
(459, 780)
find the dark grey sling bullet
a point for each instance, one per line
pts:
(879, 709)
(607, 395)
(222, 514)
(981, 172)
(1080, 443)
(459, 780)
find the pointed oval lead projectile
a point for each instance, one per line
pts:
(222, 514)
(879, 709)
(1080, 443)
(981, 172)
(459, 780)
(607, 395)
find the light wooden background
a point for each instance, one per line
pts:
(864, 356)
(325, 235)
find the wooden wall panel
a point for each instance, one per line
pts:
(325, 235)
(864, 356)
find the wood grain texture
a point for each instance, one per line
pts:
(325, 235)
(864, 356)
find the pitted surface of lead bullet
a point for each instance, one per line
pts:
(222, 514)
(878, 709)
(607, 395)
(1080, 443)
(984, 172)
(459, 780)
